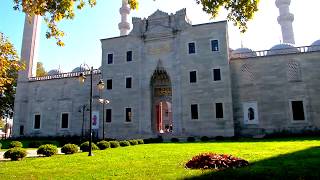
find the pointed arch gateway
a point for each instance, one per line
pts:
(161, 89)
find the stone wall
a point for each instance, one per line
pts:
(272, 82)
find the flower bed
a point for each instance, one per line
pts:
(215, 161)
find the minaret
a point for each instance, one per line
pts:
(285, 20)
(124, 25)
(29, 49)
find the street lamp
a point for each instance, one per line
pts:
(82, 109)
(103, 102)
(82, 78)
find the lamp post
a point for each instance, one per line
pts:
(82, 78)
(82, 109)
(103, 102)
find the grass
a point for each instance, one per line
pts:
(269, 159)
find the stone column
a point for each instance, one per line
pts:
(124, 25)
(29, 55)
(285, 20)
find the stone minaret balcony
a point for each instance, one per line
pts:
(285, 20)
(124, 25)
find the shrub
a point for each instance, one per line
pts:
(124, 143)
(51, 142)
(0, 145)
(68, 140)
(70, 149)
(84, 147)
(114, 144)
(103, 145)
(204, 138)
(133, 142)
(15, 144)
(34, 144)
(219, 138)
(235, 138)
(159, 139)
(140, 141)
(15, 154)
(47, 150)
(191, 139)
(174, 140)
(215, 161)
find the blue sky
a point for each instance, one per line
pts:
(83, 34)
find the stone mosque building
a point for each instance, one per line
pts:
(173, 78)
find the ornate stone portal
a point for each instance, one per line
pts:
(161, 101)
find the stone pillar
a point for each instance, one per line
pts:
(29, 49)
(29, 52)
(285, 20)
(124, 25)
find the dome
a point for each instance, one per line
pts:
(315, 46)
(82, 67)
(77, 69)
(282, 49)
(243, 53)
(54, 72)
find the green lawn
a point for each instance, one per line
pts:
(269, 159)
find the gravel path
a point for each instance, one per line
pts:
(30, 153)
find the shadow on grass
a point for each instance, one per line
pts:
(303, 164)
(245, 140)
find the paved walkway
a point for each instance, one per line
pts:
(30, 153)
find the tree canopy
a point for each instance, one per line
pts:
(239, 11)
(9, 63)
(9, 67)
(40, 70)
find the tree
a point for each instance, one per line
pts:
(9, 67)
(7, 97)
(9, 64)
(2, 124)
(239, 11)
(40, 70)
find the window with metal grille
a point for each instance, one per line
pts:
(65, 121)
(21, 130)
(129, 82)
(219, 110)
(37, 118)
(110, 58)
(193, 76)
(214, 45)
(216, 75)
(192, 48)
(109, 83)
(194, 111)
(129, 56)
(297, 110)
(108, 115)
(293, 71)
(128, 115)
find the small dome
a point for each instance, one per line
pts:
(282, 49)
(243, 53)
(77, 69)
(315, 46)
(54, 72)
(82, 67)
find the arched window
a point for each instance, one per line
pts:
(251, 114)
